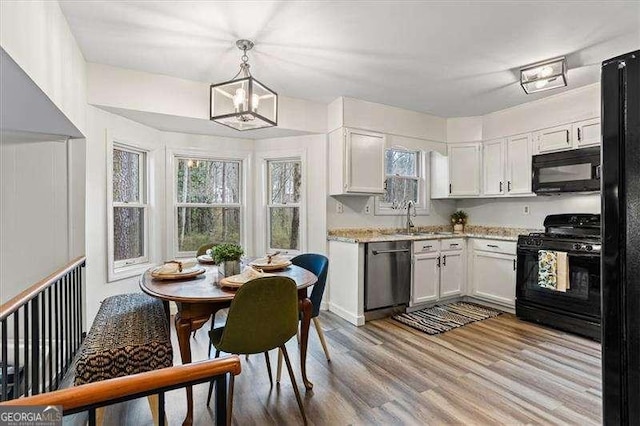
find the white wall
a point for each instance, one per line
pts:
(39, 196)
(509, 212)
(36, 35)
(573, 105)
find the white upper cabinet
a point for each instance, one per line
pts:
(519, 164)
(493, 161)
(464, 169)
(554, 139)
(587, 133)
(356, 162)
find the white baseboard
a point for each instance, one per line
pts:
(494, 305)
(349, 316)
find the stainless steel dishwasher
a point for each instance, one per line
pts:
(387, 274)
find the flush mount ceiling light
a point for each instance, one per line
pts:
(545, 75)
(243, 103)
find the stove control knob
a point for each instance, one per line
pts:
(539, 242)
(577, 246)
(529, 242)
(589, 248)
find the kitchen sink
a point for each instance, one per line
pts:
(415, 234)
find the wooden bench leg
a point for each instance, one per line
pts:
(155, 411)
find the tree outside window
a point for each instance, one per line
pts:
(402, 180)
(129, 206)
(284, 182)
(208, 202)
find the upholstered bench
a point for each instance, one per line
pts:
(129, 335)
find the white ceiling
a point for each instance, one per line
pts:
(445, 58)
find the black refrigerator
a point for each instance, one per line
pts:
(621, 239)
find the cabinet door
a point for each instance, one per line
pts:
(493, 167)
(494, 277)
(452, 273)
(587, 133)
(364, 162)
(554, 139)
(464, 169)
(519, 164)
(426, 278)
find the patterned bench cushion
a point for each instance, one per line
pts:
(129, 335)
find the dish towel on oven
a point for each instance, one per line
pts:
(553, 270)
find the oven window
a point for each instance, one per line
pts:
(565, 173)
(580, 276)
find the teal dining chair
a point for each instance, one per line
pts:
(263, 316)
(319, 266)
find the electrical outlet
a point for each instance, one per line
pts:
(525, 210)
(367, 209)
(339, 207)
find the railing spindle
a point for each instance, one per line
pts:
(5, 368)
(26, 349)
(16, 355)
(49, 291)
(67, 345)
(43, 341)
(56, 297)
(35, 346)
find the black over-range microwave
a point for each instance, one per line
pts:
(577, 170)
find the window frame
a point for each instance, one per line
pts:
(172, 157)
(270, 205)
(423, 204)
(125, 268)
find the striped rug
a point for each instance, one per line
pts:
(441, 318)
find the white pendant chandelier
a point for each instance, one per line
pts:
(243, 103)
(545, 75)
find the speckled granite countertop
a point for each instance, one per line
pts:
(371, 235)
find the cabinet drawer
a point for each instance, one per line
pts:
(495, 246)
(452, 244)
(427, 246)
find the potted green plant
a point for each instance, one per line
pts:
(227, 257)
(459, 219)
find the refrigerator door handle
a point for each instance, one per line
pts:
(598, 171)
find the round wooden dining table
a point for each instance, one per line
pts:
(199, 298)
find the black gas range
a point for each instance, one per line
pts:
(577, 308)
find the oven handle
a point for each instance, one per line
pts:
(569, 253)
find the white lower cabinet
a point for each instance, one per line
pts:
(426, 277)
(438, 270)
(493, 277)
(451, 273)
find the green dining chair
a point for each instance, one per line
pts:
(263, 316)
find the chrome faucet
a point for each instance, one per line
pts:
(410, 225)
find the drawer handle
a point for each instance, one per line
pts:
(426, 247)
(492, 246)
(453, 244)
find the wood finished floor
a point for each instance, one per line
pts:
(497, 371)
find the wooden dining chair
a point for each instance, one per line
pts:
(263, 316)
(319, 266)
